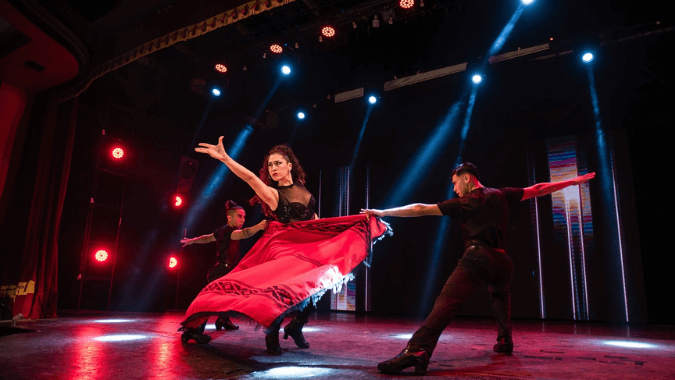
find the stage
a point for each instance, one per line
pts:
(96, 345)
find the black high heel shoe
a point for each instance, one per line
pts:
(294, 329)
(407, 358)
(196, 335)
(503, 346)
(225, 323)
(272, 342)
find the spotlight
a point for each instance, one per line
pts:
(354, 25)
(391, 20)
(215, 92)
(477, 78)
(276, 48)
(328, 31)
(372, 99)
(588, 57)
(173, 262)
(376, 22)
(285, 70)
(301, 115)
(117, 153)
(101, 255)
(177, 201)
(527, 2)
(406, 4)
(221, 68)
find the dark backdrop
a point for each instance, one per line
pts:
(519, 105)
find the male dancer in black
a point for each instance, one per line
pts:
(227, 248)
(483, 214)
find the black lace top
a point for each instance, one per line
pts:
(296, 203)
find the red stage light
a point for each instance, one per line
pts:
(406, 4)
(117, 153)
(221, 68)
(101, 255)
(276, 48)
(173, 262)
(328, 31)
(178, 201)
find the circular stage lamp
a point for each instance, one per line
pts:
(588, 57)
(117, 153)
(101, 255)
(221, 68)
(476, 78)
(173, 262)
(328, 31)
(406, 4)
(285, 70)
(276, 48)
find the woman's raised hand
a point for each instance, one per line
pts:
(215, 151)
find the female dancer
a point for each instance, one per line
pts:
(280, 188)
(227, 251)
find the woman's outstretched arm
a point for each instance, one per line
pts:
(268, 194)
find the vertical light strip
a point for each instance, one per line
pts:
(542, 306)
(367, 267)
(570, 251)
(618, 229)
(583, 253)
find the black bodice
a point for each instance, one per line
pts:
(296, 203)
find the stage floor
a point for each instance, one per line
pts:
(92, 345)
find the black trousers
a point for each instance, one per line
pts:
(216, 272)
(479, 267)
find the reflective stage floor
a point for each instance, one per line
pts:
(91, 345)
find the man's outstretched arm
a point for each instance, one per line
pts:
(546, 188)
(411, 210)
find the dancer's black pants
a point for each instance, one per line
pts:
(479, 267)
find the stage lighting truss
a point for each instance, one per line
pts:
(276, 48)
(221, 68)
(328, 31)
(406, 4)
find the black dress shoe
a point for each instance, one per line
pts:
(272, 342)
(196, 335)
(503, 346)
(225, 323)
(294, 329)
(407, 358)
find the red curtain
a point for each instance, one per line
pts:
(32, 219)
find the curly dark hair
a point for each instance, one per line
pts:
(297, 173)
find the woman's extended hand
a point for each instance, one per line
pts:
(215, 151)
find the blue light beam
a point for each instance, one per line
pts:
(444, 223)
(606, 179)
(413, 173)
(363, 130)
(501, 39)
(217, 178)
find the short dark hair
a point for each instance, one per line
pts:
(466, 167)
(231, 205)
